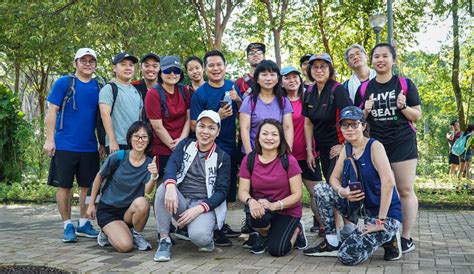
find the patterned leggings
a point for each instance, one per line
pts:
(356, 248)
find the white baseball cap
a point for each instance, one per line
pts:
(214, 116)
(83, 52)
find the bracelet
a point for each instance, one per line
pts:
(309, 149)
(281, 204)
(404, 107)
(248, 200)
(339, 192)
(170, 182)
(156, 177)
(380, 222)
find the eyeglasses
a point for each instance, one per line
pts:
(353, 55)
(352, 125)
(91, 62)
(174, 70)
(255, 53)
(322, 67)
(144, 138)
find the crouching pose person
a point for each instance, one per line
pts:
(362, 179)
(270, 186)
(196, 183)
(123, 211)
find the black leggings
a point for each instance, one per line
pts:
(282, 228)
(327, 165)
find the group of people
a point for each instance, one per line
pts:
(294, 128)
(460, 164)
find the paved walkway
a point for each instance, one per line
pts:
(32, 235)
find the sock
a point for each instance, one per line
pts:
(332, 240)
(134, 232)
(65, 223)
(83, 221)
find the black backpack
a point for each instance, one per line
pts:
(251, 162)
(162, 94)
(352, 172)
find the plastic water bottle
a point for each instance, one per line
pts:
(227, 98)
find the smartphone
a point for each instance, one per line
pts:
(223, 104)
(355, 186)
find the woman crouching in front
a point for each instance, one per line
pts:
(270, 186)
(362, 178)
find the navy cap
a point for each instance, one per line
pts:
(169, 62)
(288, 70)
(352, 113)
(321, 56)
(258, 46)
(305, 58)
(150, 55)
(122, 56)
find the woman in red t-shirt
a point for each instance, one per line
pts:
(170, 125)
(291, 82)
(270, 187)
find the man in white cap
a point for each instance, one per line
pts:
(71, 140)
(196, 184)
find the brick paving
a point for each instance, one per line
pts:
(32, 235)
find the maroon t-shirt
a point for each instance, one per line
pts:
(174, 124)
(271, 181)
(244, 87)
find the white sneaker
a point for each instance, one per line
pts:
(102, 239)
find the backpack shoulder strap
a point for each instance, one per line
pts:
(161, 93)
(69, 93)
(363, 89)
(253, 103)
(183, 93)
(404, 84)
(251, 162)
(114, 96)
(285, 162)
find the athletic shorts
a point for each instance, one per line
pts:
(308, 174)
(106, 214)
(402, 150)
(81, 165)
(453, 159)
(162, 161)
(466, 157)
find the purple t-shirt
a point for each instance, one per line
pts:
(271, 181)
(263, 111)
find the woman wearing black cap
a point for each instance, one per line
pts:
(362, 179)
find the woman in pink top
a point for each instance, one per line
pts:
(292, 88)
(270, 187)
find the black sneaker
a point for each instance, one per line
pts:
(407, 245)
(172, 228)
(393, 248)
(229, 232)
(260, 245)
(315, 227)
(220, 239)
(301, 241)
(324, 249)
(182, 233)
(246, 228)
(253, 236)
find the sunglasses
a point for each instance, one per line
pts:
(174, 70)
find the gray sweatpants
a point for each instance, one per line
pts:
(200, 230)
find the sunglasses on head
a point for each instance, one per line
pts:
(174, 70)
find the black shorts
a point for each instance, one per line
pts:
(402, 150)
(106, 214)
(83, 165)
(467, 157)
(308, 174)
(453, 159)
(162, 161)
(121, 147)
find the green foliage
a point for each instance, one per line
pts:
(11, 120)
(29, 190)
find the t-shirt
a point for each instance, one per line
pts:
(174, 123)
(299, 142)
(271, 181)
(80, 115)
(127, 184)
(207, 97)
(387, 123)
(263, 111)
(193, 185)
(245, 84)
(323, 111)
(127, 109)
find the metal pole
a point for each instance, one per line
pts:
(377, 39)
(390, 21)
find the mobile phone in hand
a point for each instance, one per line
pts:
(224, 104)
(353, 186)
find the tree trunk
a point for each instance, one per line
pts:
(276, 44)
(455, 72)
(16, 87)
(321, 27)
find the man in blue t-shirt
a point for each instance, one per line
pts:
(209, 97)
(71, 141)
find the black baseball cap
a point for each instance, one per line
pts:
(258, 46)
(122, 56)
(150, 55)
(305, 58)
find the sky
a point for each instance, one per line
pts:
(432, 36)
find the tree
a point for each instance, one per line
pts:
(277, 21)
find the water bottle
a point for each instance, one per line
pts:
(227, 98)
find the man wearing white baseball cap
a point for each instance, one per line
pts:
(196, 183)
(71, 141)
